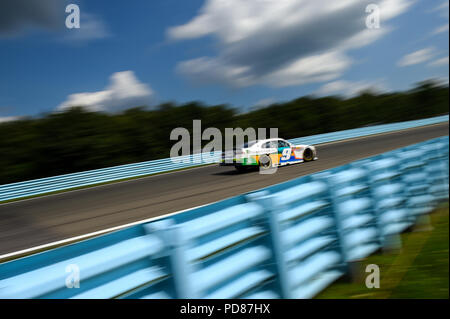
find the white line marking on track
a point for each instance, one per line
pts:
(29, 251)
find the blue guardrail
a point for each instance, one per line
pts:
(98, 176)
(289, 240)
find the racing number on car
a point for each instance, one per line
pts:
(286, 154)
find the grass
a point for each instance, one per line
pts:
(418, 270)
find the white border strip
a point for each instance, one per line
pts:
(96, 233)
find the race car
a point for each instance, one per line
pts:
(267, 153)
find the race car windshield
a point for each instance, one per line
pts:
(248, 144)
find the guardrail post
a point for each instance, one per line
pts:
(420, 201)
(181, 267)
(354, 213)
(325, 177)
(265, 200)
(388, 192)
(436, 168)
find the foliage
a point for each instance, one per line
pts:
(78, 140)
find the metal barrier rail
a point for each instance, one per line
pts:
(290, 240)
(366, 131)
(103, 175)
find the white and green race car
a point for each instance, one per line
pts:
(268, 153)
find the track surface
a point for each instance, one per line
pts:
(38, 221)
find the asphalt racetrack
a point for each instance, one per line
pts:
(28, 223)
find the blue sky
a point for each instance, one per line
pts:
(242, 53)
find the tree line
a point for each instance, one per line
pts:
(78, 140)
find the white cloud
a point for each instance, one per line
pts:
(364, 38)
(124, 91)
(439, 62)
(264, 102)
(390, 9)
(417, 57)
(350, 88)
(5, 119)
(441, 29)
(91, 28)
(442, 8)
(207, 69)
(273, 42)
(310, 69)
(442, 80)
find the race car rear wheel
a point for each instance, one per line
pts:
(308, 155)
(265, 162)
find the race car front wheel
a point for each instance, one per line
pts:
(308, 155)
(265, 162)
